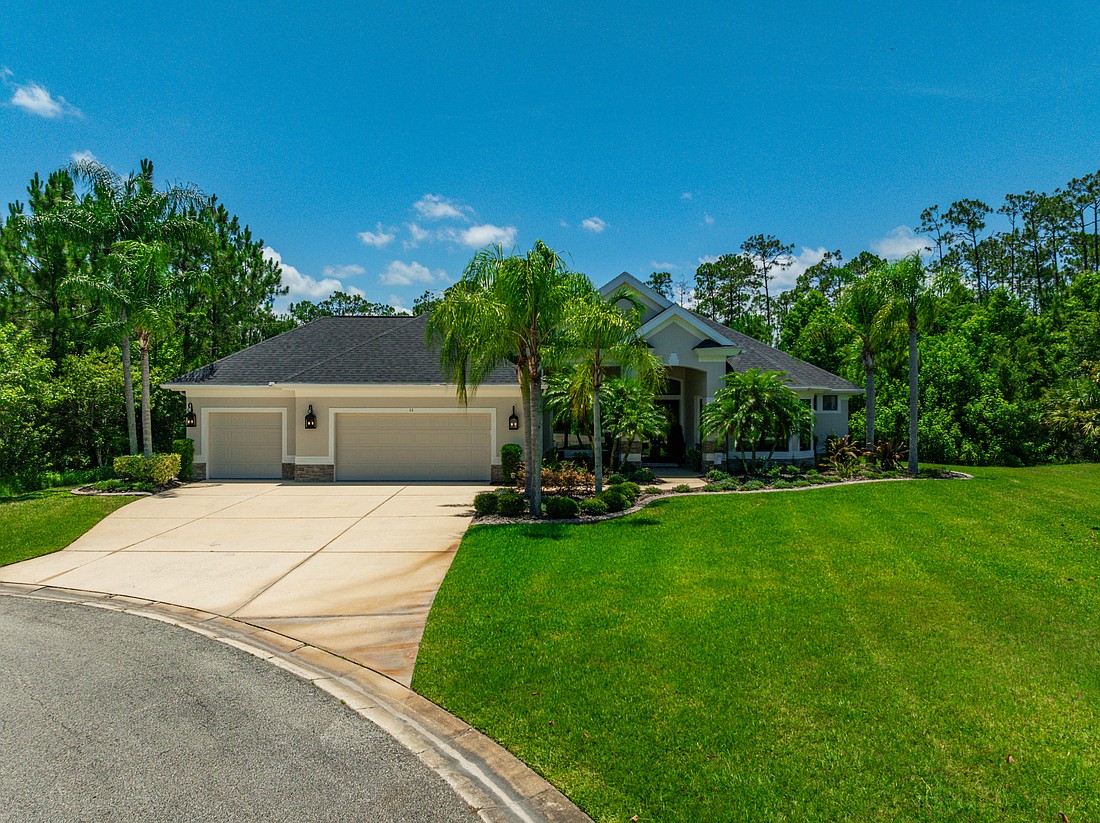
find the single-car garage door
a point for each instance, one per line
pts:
(245, 446)
(413, 446)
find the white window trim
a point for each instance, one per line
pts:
(204, 435)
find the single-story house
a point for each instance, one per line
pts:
(364, 398)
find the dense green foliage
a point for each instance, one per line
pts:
(1004, 345)
(793, 656)
(116, 261)
(42, 522)
(185, 448)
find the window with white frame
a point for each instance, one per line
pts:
(828, 402)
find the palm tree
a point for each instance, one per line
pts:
(864, 315)
(601, 333)
(117, 213)
(913, 304)
(753, 405)
(631, 413)
(508, 310)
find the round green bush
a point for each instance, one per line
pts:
(511, 504)
(654, 490)
(615, 480)
(486, 503)
(614, 499)
(561, 508)
(627, 490)
(752, 486)
(683, 488)
(593, 507)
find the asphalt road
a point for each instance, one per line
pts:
(109, 716)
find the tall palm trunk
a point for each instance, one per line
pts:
(869, 371)
(146, 398)
(128, 386)
(597, 434)
(525, 397)
(535, 464)
(912, 396)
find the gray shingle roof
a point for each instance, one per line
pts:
(757, 355)
(337, 350)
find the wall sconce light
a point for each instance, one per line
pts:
(311, 418)
(190, 419)
(513, 421)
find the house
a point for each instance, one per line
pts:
(364, 398)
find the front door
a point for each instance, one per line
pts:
(671, 448)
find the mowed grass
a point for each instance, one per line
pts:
(38, 523)
(866, 652)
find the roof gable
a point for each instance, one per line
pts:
(654, 302)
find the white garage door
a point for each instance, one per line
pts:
(245, 446)
(412, 446)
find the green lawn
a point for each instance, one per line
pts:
(42, 522)
(866, 652)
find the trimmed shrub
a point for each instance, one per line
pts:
(717, 475)
(511, 455)
(800, 483)
(654, 490)
(158, 469)
(616, 479)
(817, 480)
(683, 488)
(185, 448)
(593, 507)
(628, 490)
(614, 499)
(561, 508)
(712, 487)
(752, 486)
(782, 484)
(643, 474)
(486, 503)
(511, 504)
(122, 486)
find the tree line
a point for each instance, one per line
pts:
(1008, 323)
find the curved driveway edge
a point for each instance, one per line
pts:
(497, 785)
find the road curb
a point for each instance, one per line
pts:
(490, 779)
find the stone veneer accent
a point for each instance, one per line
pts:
(198, 471)
(496, 474)
(288, 471)
(313, 474)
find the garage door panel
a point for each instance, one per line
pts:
(413, 446)
(245, 446)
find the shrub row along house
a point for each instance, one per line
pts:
(364, 398)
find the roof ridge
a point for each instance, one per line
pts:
(347, 351)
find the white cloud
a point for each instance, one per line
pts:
(438, 207)
(487, 234)
(36, 99)
(302, 285)
(899, 242)
(399, 273)
(350, 270)
(807, 257)
(378, 239)
(708, 219)
(563, 224)
(709, 258)
(398, 303)
(82, 156)
(593, 224)
(355, 291)
(662, 266)
(687, 195)
(417, 235)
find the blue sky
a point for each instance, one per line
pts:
(373, 146)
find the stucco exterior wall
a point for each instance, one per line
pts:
(313, 448)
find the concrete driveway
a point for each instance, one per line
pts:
(350, 568)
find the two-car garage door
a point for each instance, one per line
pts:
(413, 446)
